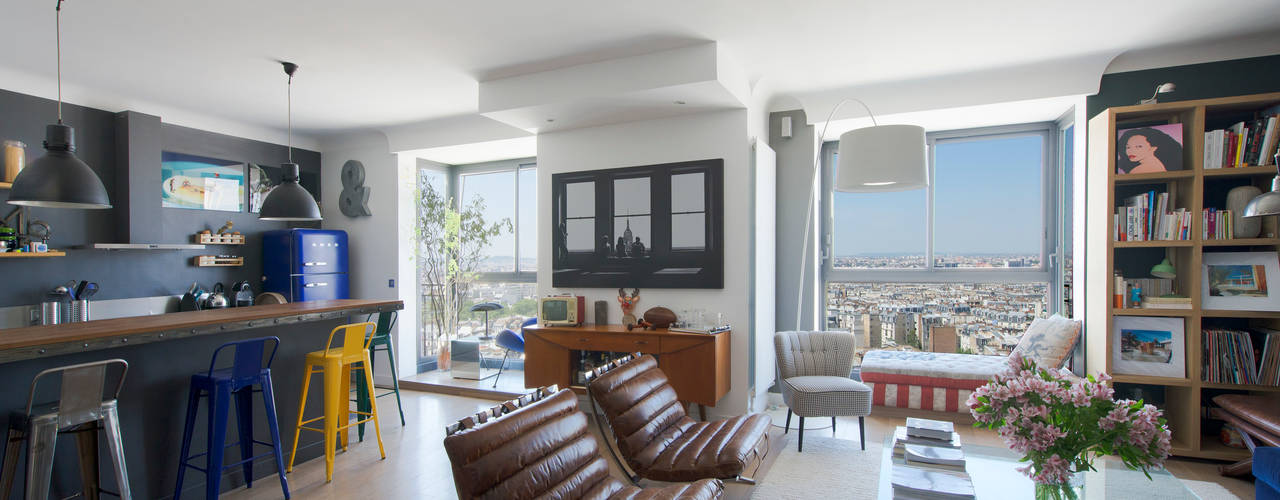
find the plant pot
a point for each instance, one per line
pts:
(442, 360)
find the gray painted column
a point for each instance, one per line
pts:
(795, 172)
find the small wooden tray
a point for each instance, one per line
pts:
(219, 239)
(215, 261)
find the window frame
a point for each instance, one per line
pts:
(457, 190)
(930, 273)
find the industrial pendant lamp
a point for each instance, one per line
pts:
(875, 159)
(59, 179)
(1267, 203)
(289, 201)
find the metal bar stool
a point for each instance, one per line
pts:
(219, 385)
(336, 364)
(381, 342)
(81, 408)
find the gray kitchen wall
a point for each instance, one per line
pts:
(130, 273)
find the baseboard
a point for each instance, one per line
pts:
(892, 411)
(470, 392)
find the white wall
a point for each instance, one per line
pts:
(373, 255)
(721, 134)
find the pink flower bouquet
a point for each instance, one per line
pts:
(1060, 423)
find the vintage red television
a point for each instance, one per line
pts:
(564, 310)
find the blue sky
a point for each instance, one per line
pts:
(988, 198)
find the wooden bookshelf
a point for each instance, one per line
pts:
(1193, 188)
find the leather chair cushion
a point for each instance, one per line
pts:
(545, 450)
(1261, 411)
(659, 441)
(691, 450)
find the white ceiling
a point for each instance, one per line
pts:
(380, 64)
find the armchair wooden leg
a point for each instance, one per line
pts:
(800, 446)
(788, 427)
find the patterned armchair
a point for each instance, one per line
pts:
(814, 368)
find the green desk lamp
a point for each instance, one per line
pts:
(1164, 269)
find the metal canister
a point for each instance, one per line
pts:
(51, 312)
(79, 311)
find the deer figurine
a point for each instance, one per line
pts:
(628, 303)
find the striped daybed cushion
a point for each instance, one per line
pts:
(927, 380)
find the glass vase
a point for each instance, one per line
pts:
(1073, 489)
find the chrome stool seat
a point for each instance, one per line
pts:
(82, 409)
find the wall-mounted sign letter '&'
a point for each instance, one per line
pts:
(354, 201)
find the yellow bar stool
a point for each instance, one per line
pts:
(336, 364)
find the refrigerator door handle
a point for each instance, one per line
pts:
(313, 285)
(309, 264)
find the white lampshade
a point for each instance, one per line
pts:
(882, 158)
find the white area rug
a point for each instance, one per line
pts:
(1209, 491)
(828, 468)
(837, 468)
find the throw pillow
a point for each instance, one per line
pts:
(1049, 340)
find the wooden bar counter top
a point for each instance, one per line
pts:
(51, 340)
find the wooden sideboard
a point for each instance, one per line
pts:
(696, 364)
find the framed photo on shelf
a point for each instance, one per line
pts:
(1151, 346)
(1157, 148)
(1239, 281)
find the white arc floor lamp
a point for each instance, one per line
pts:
(875, 159)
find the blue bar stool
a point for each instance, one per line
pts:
(219, 385)
(81, 408)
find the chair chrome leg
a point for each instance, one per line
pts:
(862, 433)
(41, 441)
(501, 367)
(115, 446)
(12, 452)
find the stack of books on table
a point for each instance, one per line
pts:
(928, 462)
(910, 483)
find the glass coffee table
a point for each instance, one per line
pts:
(994, 475)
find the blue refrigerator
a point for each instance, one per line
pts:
(305, 264)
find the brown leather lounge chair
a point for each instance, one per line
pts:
(659, 441)
(539, 446)
(1256, 417)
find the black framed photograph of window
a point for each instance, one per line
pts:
(653, 226)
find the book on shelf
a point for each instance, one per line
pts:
(1240, 356)
(1166, 302)
(915, 483)
(901, 438)
(1150, 217)
(1246, 143)
(932, 429)
(1217, 224)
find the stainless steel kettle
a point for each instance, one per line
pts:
(217, 299)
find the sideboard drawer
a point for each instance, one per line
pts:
(585, 341)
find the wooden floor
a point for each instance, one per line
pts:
(417, 467)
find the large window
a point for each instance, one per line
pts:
(506, 271)
(960, 266)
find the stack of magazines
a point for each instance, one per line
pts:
(928, 462)
(707, 330)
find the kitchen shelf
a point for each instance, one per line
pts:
(215, 261)
(1221, 313)
(32, 255)
(219, 239)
